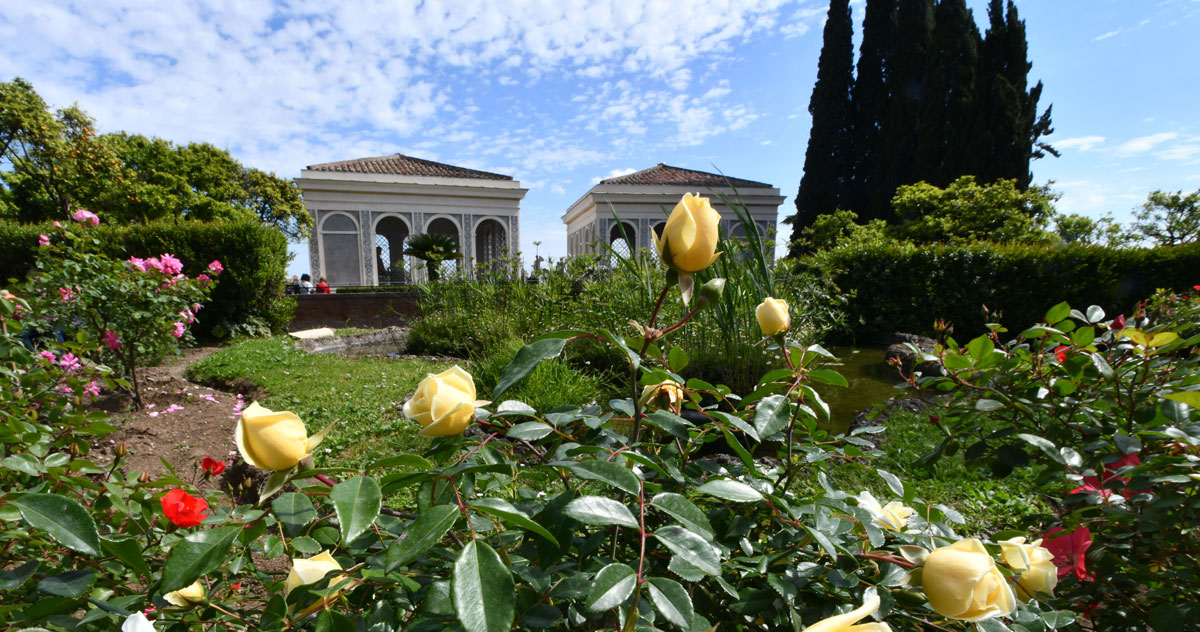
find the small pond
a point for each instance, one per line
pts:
(871, 381)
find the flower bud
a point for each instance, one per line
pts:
(711, 292)
(121, 450)
(143, 478)
(773, 316)
(689, 239)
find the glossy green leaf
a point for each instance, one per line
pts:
(64, 519)
(275, 483)
(694, 549)
(68, 584)
(610, 587)
(988, 405)
(529, 431)
(893, 482)
(672, 601)
(736, 491)
(1057, 313)
(673, 424)
(771, 416)
(16, 576)
(423, 533)
(24, 463)
(294, 511)
(526, 359)
(129, 551)
(357, 502)
(196, 555)
(1191, 398)
(678, 359)
(598, 510)
(608, 472)
(682, 509)
(508, 513)
(483, 590)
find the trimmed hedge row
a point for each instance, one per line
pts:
(905, 288)
(248, 297)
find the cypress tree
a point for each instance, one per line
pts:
(949, 122)
(828, 168)
(870, 99)
(907, 93)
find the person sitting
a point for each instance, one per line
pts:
(306, 286)
(293, 286)
(322, 286)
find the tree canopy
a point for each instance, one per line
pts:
(54, 162)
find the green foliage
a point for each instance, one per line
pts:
(1169, 219)
(837, 229)
(57, 163)
(1105, 412)
(551, 383)
(883, 281)
(433, 249)
(1085, 231)
(965, 212)
(249, 300)
(140, 309)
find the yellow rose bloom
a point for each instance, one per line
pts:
(846, 622)
(893, 516)
(689, 239)
(444, 404)
(773, 316)
(186, 597)
(961, 581)
(311, 570)
(271, 440)
(1038, 573)
(669, 393)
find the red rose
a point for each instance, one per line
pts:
(184, 509)
(212, 466)
(1060, 352)
(1068, 550)
(1118, 323)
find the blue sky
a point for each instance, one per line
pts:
(560, 94)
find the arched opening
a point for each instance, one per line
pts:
(490, 242)
(340, 256)
(391, 235)
(621, 240)
(446, 226)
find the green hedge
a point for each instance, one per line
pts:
(905, 288)
(248, 297)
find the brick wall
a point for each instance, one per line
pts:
(382, 309)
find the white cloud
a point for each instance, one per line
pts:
(1145, 143)
(614, 173)
(1082, 143)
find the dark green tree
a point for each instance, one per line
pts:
(433, 249)
(949, 124)
(870, 100)
(907, 90)
(828, 169)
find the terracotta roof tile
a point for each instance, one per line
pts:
(401, 165)
(666, 174)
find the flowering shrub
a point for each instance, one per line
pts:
(689, 507)
(140, 309)
(1106, 409)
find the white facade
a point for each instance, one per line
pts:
(362, 219)
(641, 207)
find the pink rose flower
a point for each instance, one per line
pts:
(66, 294)
(86, 217)
(57, 225)
(203, 279)
(171, 265)
(140, 264)
(215, 267)
(48, 356)
(43, 240)
(179, 329)
(69, 363)
(111, 339)
(63, 388)
(196, 308)
(187, 316)
(92, 389)
(153, 262)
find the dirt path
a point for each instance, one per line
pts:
(180, 422)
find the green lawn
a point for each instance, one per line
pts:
(363, 395)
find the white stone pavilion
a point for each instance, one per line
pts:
(644, 199)
(365, 209)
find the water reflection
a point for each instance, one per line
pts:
(871, 382)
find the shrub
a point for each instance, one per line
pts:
(907, 288)
(248, 300)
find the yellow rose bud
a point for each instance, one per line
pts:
(845, 622)
(1037, 571)
(893, 516)
(444, 404)
(689, 239)
(271, 440)
(310, 571)
(961, 581)
(187, 597)
(667, 394)
(773, 317)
